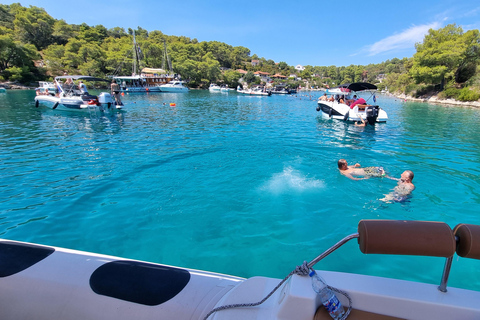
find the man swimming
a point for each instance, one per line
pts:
(355, 170)
(403, 189)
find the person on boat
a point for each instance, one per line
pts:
(115, 91)
(323, 98)
(355, 171)
(331, 98)
(350, 101)
(358, 101)
(82, 87)
(403, 189)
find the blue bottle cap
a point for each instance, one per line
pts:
(312, 273)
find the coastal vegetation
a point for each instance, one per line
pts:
(34, 46)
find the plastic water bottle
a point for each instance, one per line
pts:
(327, 297)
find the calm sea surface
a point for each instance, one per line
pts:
(233, 184)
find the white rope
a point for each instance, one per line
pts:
(302, 270)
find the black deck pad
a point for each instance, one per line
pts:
(16, 257)
(139, 282)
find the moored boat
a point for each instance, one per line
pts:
(254, 91)
(214, 87)
(174, 86)
(225, 88)
(280, 89)
(45, 282)
(340, 105)
(68, 96)
(148, 80)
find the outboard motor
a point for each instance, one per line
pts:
(106, 99)
(372, 114)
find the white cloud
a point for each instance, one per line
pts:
(404, 40)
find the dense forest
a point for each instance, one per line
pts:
(34, 46)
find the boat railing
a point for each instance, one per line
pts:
(417, 238)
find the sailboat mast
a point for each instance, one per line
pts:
(165, 57)
(135, 55)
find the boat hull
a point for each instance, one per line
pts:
(173, 88)
(44, 282)
(340, 111)
(68, 284)
(75, 104)
(140, 89)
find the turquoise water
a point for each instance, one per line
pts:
(233, 184)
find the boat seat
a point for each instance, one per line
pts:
(139, 282)
(424, 238)
(468, 243)
(16, 257)
(322, 314)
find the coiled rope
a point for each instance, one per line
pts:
(302, 270)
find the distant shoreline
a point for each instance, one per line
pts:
(435, 100)
(430, 99)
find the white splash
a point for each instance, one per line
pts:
(291, 180)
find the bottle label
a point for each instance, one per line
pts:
(332, 304)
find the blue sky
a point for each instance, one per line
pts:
(309, 32)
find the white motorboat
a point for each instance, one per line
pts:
(225, 88)
(44, 282)
(69, 97)
(214, 87)
(340, 104)
(280, 89)
(174, 86)
(255, 91)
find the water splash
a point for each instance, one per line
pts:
(291, 180)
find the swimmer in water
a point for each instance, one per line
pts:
(355, 170)
(403, 189)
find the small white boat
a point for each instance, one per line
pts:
(225, 88)
(44, 282)
(174, 86)
(335, 108)
(214, 87)
(280, 89)
(68, 97)
(255, 91)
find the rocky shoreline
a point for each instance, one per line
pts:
(15, 86)
(435, 100)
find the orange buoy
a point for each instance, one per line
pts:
(172, 104)
(123, 93)
(146, 89)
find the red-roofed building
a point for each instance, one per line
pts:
(264, 76)
(279, 76)
(241, 71)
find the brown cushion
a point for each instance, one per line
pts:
(468, 245)
(401, 237)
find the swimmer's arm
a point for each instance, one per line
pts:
(391, 178)
(348, 175)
